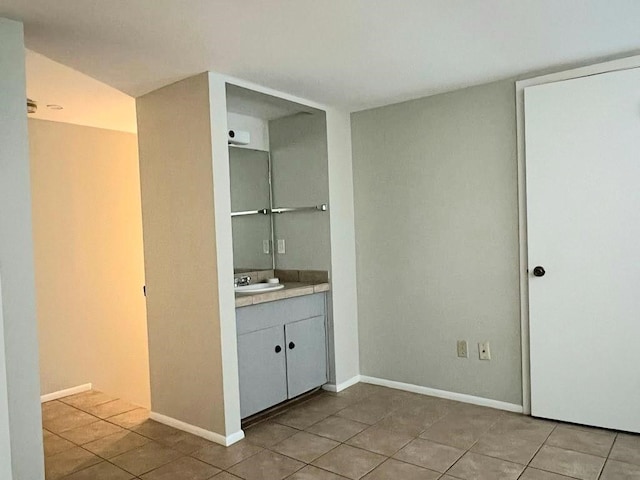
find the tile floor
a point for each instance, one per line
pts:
(365, 432)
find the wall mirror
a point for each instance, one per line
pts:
(250, 173)
(279, 184)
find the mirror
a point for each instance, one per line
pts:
(249, 171)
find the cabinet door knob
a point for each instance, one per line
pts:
(539, 271)
(278, 348)
(292, 345)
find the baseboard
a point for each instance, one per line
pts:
(65, 393)
(199, 432)
(332, 387)
(460, 397)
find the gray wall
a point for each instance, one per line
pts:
(300, 179)
(436, 213)
(21, 405)
(183, 314)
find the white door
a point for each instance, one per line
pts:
(583, 216)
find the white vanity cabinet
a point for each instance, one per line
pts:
(282, 350)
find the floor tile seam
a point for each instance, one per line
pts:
(340, 441)
(414, 465)
(97, 404)
(302, 430)
(164, 444)
(555, 473)
(304, 466)
(271, 420)
(452, 476)
(104, 460)
(68, 429)
(297, 459)
(540, 447)
(83, 468)
(422, 466)
(447, 445)
(228, 470)
(577, 451)
(525, 465)
(615, 439)
(607, 458)
(107, 460)
(135, 407)
(231, 466)
(315, 466)
(377, 425)
(126, 451)
(574, 451)
(90, 441)
(164, 465)
(636, 465)
(148, 471)
(446, 472)
(78, 408)
(378, 453)
(586, 428)
(503, 459)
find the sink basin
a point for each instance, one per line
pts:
(259, 288)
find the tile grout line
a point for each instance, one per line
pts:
(615, 438)
(386, 403)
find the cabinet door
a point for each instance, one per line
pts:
(306, 355)
(262, 370)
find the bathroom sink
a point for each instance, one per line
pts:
(259, 288)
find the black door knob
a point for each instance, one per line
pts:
(292, 345)
(538, 271)
(278, 348)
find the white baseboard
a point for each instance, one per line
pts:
(332, 387)
(65, 393)
(200, 432)
(460, 397)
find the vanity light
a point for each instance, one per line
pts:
(53, 106)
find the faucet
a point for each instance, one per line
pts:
(241, 281)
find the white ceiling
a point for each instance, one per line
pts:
(85, 101)
(258, 105)
(349, 53)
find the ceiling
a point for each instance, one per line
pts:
(259, 105)
(85, 101)
(353, 54)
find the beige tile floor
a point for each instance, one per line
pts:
(365, 432)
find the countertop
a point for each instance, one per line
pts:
(291, 289)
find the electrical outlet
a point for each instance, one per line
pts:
(281, 248)
(463, 349)
(484, 351)
(266, 246)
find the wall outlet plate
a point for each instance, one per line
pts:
(484, 351)
(463, 350)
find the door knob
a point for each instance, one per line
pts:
(538, 271)
(278, 348)
(292, 345)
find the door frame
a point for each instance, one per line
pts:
(605, 67)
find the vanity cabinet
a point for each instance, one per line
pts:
(262, 370)
(282, 351)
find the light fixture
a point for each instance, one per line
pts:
(32, 106)
(53, 106)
